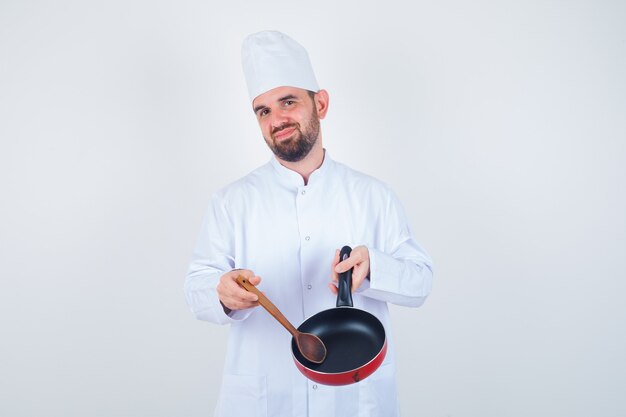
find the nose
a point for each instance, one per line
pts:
(278, 119)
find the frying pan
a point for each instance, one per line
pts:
(355, 339)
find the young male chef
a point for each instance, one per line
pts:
(281, 227)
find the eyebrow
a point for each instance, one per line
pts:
(257, 108)
(287, 97)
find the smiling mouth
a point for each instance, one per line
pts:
(284, 133)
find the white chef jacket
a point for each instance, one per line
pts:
(287, 233)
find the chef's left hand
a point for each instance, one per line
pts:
(359, 259)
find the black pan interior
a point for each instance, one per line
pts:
(352, 337)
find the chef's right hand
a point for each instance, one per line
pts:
(234, 297)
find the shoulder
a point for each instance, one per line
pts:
(245, 187)
(360, 182)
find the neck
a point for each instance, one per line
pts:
(310, 163)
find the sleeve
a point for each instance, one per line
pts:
(401, 272)
(212, 257)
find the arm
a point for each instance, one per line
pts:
(210, 287)
(399, 272)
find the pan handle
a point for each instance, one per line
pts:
(344, 296)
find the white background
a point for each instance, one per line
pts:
(501, 125)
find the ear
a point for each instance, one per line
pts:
(321, 103)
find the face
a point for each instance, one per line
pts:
(289, 121)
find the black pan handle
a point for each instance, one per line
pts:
(344, 297)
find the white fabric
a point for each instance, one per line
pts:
(272, 59)
(287, 233)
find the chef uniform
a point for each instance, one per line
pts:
(287, 232)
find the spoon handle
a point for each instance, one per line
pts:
(267, 304)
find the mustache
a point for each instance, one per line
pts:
(283, 127)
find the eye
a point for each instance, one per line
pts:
(263, 112)
(288, 103)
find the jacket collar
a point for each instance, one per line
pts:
(292, 178)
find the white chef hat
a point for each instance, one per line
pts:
(272, 59)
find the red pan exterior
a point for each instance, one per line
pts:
(343, 318)
(347, 377)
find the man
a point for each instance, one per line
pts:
(281, 226)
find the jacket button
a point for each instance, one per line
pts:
(309, 286)
(307, 238)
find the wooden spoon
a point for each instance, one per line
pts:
(311, 346)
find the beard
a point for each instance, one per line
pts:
(298, 146)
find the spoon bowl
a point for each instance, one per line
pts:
(309, 345)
